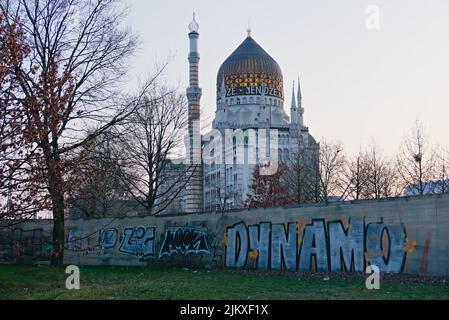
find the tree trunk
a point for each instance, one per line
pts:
(57, 257)
(55, 184)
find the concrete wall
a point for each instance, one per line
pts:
(404, 235)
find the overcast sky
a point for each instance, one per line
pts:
(359, 85)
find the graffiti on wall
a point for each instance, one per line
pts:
(73, 241)
(184, 241)
(21, 244)
(107, 238)
(139, 241)
(77, 241)
(318, 246)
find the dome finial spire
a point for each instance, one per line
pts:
(248, 30)
(194, 26)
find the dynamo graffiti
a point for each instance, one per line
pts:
(313, 247)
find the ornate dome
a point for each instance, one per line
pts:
(249, 69)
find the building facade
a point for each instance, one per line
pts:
(250, 130)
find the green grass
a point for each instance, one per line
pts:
(45, 282)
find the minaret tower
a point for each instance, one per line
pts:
(194, 194)
(300, 108)
(293, 107)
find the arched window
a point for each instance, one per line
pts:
(251, 100)
(244, 100)
(238, 100)
(232, 101)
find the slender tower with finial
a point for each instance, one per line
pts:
(300, 108)
(293, 107)
(194, 195)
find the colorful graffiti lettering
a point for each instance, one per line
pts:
(346, 245)
(139, 241)
(73, 240)
(385, 246)
(184, 241)
(107, 238)
(319, 246)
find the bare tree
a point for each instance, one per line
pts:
(147, 140)
(382, 178)
(99, 191)
(19, 199)
(67, 85)
(416, 163)
(356, 177)
(301, 175)
(331, 167)
(296, 177)
(442, 172)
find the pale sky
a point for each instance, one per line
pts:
(358, 85)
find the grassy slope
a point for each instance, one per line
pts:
(44, 282)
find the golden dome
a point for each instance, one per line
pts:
(248, 69)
